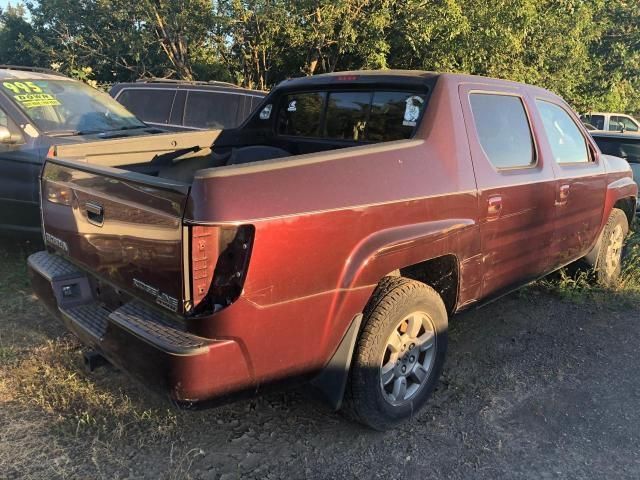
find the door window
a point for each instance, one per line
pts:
(503, 129)
(566, 141)
(150, 105)
(618, 123)
(597, 121)
(211, 110)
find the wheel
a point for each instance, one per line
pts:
(609, 256)
(399, 353)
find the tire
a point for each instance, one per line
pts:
(397, 304)
(608, 264)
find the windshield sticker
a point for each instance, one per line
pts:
(412, 110)
(292, 106)
(265, 114)
(30, 95)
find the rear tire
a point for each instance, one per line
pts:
(608, 263)
(399, 354)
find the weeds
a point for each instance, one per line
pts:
(577, 285)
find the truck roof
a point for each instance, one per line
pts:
(16, 72)
(408, 78)
(405, 77)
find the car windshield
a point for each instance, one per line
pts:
(66, 107)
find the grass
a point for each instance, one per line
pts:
(45, 391)
(57, 421)
(577, 285)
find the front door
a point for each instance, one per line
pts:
(20, 166)
(581, 183)
(516, 186)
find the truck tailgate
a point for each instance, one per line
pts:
(124, 227)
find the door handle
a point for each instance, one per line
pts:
(95, 213)
(494, 208)
(563, 194)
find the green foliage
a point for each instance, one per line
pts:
(588, 51)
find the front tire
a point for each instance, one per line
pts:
(609, 260)
(399, 354)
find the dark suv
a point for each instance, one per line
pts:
(178, 105)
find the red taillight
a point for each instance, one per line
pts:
(204, 255)
(219, 261)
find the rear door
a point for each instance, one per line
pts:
(581, 181)
(516, 186)
(124, 227)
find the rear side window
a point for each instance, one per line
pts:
(368, 116)
(627, 149)
(597, 121)
(503, 129)
(149, 105)
(212, 110)
(300, 114)
(566, 141)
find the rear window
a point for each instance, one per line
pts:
(300, 114)
(627, 149)
(149, 105)
(212, 110)
(369, 116)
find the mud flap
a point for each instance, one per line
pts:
(331, 382)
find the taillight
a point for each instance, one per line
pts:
(219, 262)
(57, 194)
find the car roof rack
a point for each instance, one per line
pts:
(23, 68)
(186, 82)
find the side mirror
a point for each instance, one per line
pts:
(6, 137)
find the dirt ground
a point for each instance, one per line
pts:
(537, 385)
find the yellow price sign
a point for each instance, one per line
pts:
(22, 87)
(30, 95)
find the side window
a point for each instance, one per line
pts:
(615, 124)
(211, 110)
(597, 121)
(149, 105)
(567, 143)
(300, 114)
(503, 129)
(628, 124)
(15, 131)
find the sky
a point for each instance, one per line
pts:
(4, 3)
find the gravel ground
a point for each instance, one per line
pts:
(534, 387)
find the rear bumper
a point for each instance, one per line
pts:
(155, 348)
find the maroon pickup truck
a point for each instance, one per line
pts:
(330, 237)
